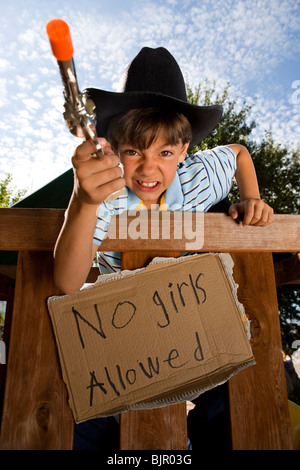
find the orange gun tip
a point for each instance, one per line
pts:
(60, 39)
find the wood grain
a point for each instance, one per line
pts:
(29, 229)
(158, 429)
(258, 395)
(220, 234)
(36, 415)
(37, 230)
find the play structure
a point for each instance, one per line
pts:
(35, 411)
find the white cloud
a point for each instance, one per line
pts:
(3, 64)
(3, 92)
(31, 104)
(23, 82)
(239, 41)
(53, 91)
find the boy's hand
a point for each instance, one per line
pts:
(256, 212)
(96, 178)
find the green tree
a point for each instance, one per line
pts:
(234, 126)
(9, 195)
(278, 172)
(277, 166)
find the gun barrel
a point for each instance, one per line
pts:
(61, 44)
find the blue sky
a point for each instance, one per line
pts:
(252, 44)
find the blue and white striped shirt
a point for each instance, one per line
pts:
(202, 180)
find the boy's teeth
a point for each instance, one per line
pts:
(143, 183)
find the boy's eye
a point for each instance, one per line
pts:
(166, 153)
(130, 152)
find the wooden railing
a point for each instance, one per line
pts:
(37, 230)
(35, 411)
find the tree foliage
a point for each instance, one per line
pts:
(9, 195)
(278, 172)
(277, 166)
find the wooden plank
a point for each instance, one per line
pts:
(36, 415)
(220, 234)
(157, 429)
(258, 395)
(37, 230)
(161, 428)
(29, 229)
(287, 271)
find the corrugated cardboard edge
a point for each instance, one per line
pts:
(188, 396)
(228, 265)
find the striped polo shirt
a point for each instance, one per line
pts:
(201, 180)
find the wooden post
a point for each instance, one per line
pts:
(258, 395)
(161, 428)
(36, 415)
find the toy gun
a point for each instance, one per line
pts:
(79, 112)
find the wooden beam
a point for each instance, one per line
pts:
(287, 271)
(37, 230)
(29, 229)
(195, 232)
(36, 415)
(258, 395)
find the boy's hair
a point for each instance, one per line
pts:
(140, 127)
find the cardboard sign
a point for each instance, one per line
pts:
(150, 337)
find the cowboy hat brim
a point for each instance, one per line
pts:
(203, 119)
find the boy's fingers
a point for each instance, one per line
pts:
(97, 180)
(266, 217)
(96, 189)
(105, 145)
(84, 151)
(98, 170)
(233, 212)
(84, 162)
(258, 213)
(255, 211)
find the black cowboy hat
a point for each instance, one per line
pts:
(153, 79)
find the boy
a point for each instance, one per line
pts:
(148, 126)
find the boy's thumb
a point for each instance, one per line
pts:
(233, 212)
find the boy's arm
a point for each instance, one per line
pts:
(255, 210)
(94, 180)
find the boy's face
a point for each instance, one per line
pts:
(149, 172)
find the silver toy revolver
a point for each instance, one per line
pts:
(79, 112)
